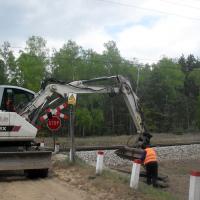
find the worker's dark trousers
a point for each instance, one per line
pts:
(152, 173)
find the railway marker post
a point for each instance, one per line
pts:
(57, 147)
(99, 164)
(42, 144)
(135, 174)
(194, 188)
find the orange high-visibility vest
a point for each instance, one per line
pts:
(150, 155)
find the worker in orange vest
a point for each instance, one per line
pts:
(149, 159)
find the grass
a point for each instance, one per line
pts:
(121, 140)
(88, 141)
(67, 163)
(149, 191)
(116, 176)
(155, 193)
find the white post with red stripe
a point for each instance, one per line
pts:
(99, 163)
(57, 147)
(194, 188)
(42, 144)
(135, 174)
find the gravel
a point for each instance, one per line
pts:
(178, 152)
(110, 158)
(164, 153)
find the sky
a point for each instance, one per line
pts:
(143, 29)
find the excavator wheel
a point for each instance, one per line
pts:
(36, 173)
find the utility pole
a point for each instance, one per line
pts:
(71, 126)
(138, 78)
(72, 103)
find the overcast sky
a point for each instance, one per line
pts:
(142, 29)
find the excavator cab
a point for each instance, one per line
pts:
(13, 127)
(13, 99)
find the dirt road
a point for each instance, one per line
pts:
(73, 183)
(18, 187)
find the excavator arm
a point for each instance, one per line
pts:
(122, 87)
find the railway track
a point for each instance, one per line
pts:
(114, 147)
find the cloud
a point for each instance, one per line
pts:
(170, 37)
(138, 28)
(94, 40)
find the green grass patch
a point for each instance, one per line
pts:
(116, 176)
(67, 163)
(155, 193)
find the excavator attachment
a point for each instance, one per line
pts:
(129, 153)
(136, 150)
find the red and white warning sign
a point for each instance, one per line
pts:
(56, 111)
(54, 123)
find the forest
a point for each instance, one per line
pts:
(169, 90)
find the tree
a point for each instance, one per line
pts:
(36, 46)
(9, 67)
(66, 61)
(2, 74)
(162, 99)
(194, 77)
(112, 58)
(191, 90)
(92, 65)
(169, 90)
(198, 112)
(84, 120)
(97, 121)
(33, 62)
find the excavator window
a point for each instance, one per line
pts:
(15, 99)
(10, 101)
(7, 100)
(21, 98)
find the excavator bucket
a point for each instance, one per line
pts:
(129, 153)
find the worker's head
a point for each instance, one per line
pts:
(144, 146)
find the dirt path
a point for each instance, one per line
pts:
(45, 189)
